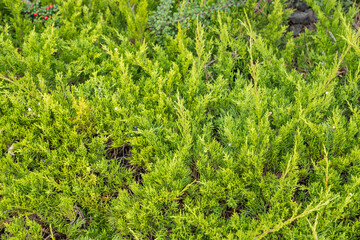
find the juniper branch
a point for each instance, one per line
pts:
(293, 218)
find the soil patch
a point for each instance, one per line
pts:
(123, 155)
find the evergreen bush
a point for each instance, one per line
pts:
(227, 128)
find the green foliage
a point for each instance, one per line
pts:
(165, 20)
(136, 15)
(234, 130)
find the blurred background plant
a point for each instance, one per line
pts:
(170, 13)
(38, 13)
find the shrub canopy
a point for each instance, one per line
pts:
(223, 126)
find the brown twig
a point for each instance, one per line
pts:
(207, 73)
(308, 61)
(257, 8)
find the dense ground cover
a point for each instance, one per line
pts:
(119, 123)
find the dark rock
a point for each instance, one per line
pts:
(296, 29)
(312, 16)
(300, 18)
